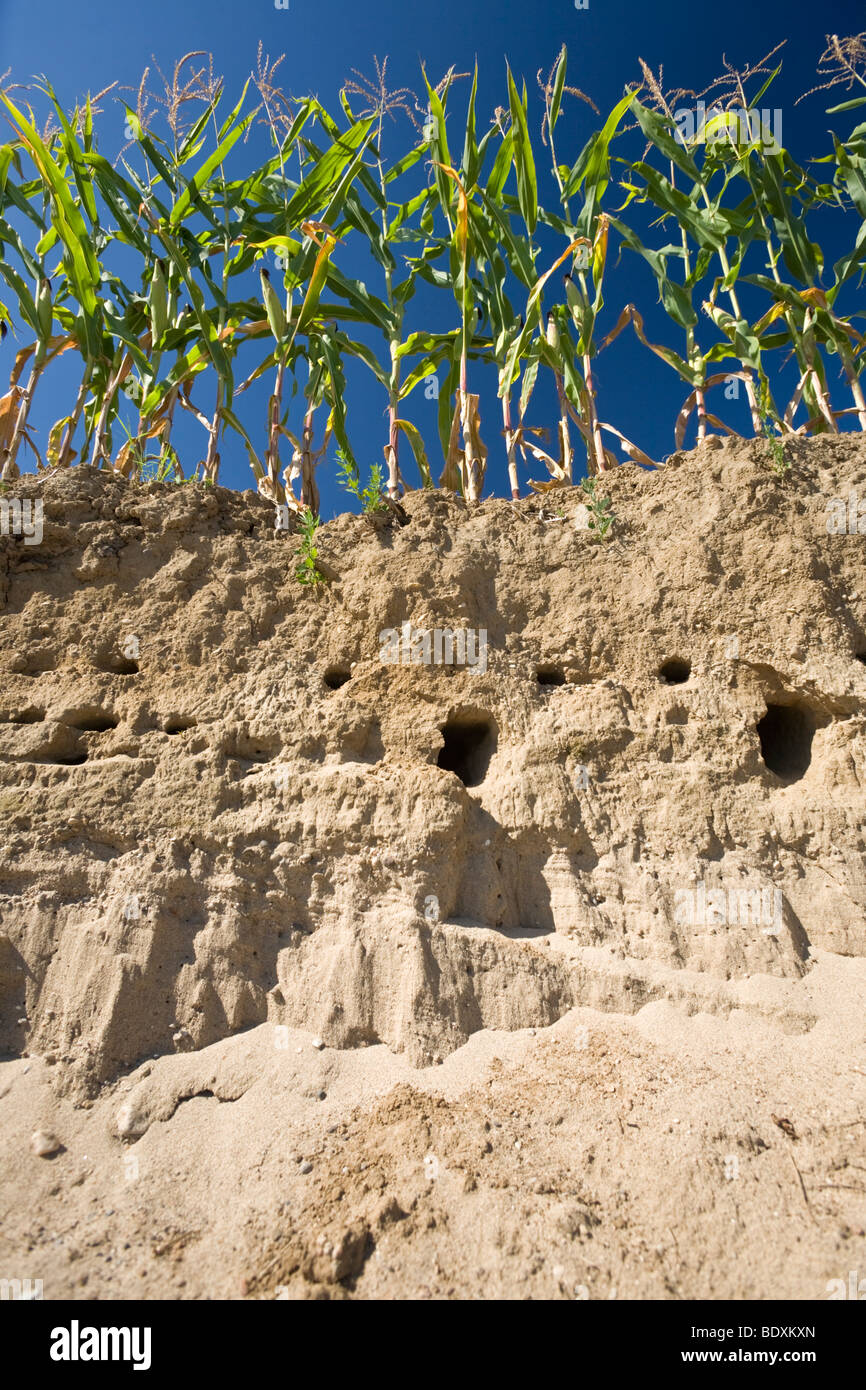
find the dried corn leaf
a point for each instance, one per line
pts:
(9, 406)
(452, 472)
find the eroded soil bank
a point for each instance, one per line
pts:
(340, 977)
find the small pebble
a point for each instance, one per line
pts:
(318, 1044)
(323, 1095)
(43, 1143)
(306, 1166)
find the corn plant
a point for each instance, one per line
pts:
(586, 235)
(151, 272)
(295, 219)
(70, 223)
(387, 225)
(482, 251)
(701, 215)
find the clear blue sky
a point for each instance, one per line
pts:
(85, 46)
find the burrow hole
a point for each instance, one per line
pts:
(116, 665)
(178, 725)
(470, 742)
(675, 672)
(36, 664)
(31, 715)
(91, 721)
(550, 675)
(786, 733)
(336, 676)
(71, 760)
(246, 748)
(860, 656)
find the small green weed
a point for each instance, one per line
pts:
(307, 570)
(601, 518)
(780, 464)
(370, 496)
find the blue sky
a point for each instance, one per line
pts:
(84, 47)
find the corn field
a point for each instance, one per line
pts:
(149, 270)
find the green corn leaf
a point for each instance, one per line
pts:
(772, 180)
(524, 163)
(558, 87)
(233, 114)
(210, 332)
(740, 334)
(120, 196)
(439, 149)
(846, 105)
(407, 210)
(656, 128)
(406, 163)
(357, 216)
(530, 376)
(26, 303)
(754, 101)
(83, 267)
(232, 420)
(707, 229)
(193, 140)
(501, 166)
(75, 155)
(7, 156)
(417, 446)
(675, 298)
(849, 264)
(518, 249)
(367, 356)
(12, 238)
(318, 187)
(852, 169)
(192, 192)
(336, 393)
(593, 163)
(147, 143)
(471, 161)
(371, 309)
(430, 363)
